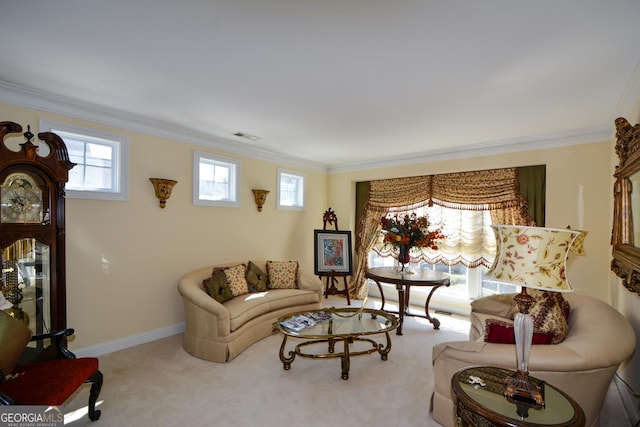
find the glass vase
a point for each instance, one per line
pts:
(404, 259)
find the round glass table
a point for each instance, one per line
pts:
(480, 402)
(403, 282)
(329, 326)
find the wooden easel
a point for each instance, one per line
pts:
(331, 276)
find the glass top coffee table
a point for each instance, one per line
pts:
(335, 325)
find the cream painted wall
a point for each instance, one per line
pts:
(124, 258)
(567, 169)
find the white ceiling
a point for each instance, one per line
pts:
(336, 83)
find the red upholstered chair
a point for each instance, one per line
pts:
(44, 382)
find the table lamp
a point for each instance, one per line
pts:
(531, 257)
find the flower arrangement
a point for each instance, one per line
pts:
(409, 231)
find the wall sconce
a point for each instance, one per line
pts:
(163, 189)
(260, 196)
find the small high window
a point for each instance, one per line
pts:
(291, 189)
(101, 160)
(216, 180)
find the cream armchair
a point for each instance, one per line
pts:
(582, 365)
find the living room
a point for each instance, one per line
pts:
(124, 258)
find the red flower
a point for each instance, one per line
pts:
(523, 239)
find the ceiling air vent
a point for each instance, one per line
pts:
(247, 136)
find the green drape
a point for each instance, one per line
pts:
(362, 192)
(532, 180)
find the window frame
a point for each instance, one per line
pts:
(234, 186)
(302, 191)
(120, 168)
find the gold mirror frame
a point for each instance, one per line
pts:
(626, 248)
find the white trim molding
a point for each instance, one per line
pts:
(131, 341)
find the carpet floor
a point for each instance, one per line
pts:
(159, 384)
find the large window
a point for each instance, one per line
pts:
(290, 189)
(467, 284)
(469, 237)
(216, 180)
(101, 161)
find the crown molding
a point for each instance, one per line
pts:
(574, 137)
(45, 101)
(57, 104)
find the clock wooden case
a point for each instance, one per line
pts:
(32, 227)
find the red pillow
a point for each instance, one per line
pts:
(499, 332)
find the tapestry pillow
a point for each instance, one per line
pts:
(499, 332)
(217, 287)
(282, 274)
(256, 278)
(550, 313)
(236, 279)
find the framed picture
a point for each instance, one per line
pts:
(332, 249)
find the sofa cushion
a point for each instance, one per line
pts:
(237, 280)
(256, 278)
(282, 274)
(501, 305)
(246, 307)
(217, 287)
(501, 332)
(48, 383)
(550, 313)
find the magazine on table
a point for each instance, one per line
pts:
(318, 316)
(305, 320)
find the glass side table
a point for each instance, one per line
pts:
(479, 401)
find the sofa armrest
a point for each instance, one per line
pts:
(197, 304)
(500, 305)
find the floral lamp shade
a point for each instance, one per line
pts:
(578, 244)
(534, 257)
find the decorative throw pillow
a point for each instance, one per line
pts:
(499, 332)
(282, 274)
(236, 279)
(501, 305)
(217, 287)
(550, 314)
(256, 278)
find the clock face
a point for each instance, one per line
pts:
(21, 200)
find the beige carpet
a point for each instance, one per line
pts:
(160, 384)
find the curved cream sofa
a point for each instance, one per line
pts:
(219, 332)
(582, 365)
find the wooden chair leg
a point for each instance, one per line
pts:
(96, 386)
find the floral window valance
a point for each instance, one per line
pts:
(478, 190)
(496, 191)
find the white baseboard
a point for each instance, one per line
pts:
(132, 341)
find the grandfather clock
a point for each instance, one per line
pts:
(32, 227)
